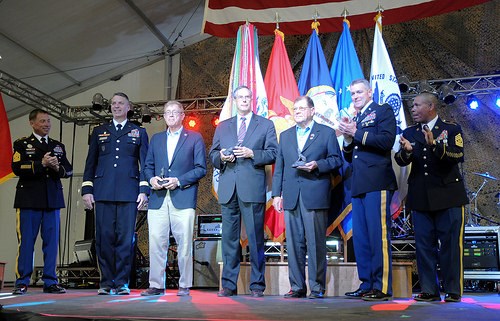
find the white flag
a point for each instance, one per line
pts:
(385, 87)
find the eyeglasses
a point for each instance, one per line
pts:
(301, 108)
(243, 97)
(173, 112)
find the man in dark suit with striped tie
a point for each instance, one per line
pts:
(242, 146)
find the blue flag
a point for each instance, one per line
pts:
(345, 68)
(315, 82)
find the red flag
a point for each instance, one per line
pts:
(5, 145)
(282, 90)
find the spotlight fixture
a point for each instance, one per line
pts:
(497, 101)
(192, 122)
(215, 121)
(146, 114)
(447, 94)
(472, 102)
(130, 113)
(99, 102)
(404, 84)
(424, 87)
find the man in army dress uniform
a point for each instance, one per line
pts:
(40, 162)
(368, 143)
(436, 194)
(115, 185)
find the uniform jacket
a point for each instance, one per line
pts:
(370, 150)
(112, 171)
(435, 181)
(322, 147)
(188, 165)
(39, 187)
(245, 175)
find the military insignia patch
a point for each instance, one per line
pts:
(16, 157)
(459, 140)
(134, 133)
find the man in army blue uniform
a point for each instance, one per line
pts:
(436, 195)
(114, 184)
(368, 143)
(40, 162)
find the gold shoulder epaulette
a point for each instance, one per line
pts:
(22, 138)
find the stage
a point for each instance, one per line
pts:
(203, 304)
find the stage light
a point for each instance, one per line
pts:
(99, 102)
(472, 102)
(424, 87)
(130, 113)
(146, 114)
(447, 94)
(404, 84)
(215, 121)
(192, 122)
(497, 101)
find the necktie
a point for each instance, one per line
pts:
(44, 141)
(426, 128)
(119, 128)
(242, 131)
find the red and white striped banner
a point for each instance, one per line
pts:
(222, 18)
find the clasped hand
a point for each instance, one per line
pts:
(169, 183)
(347, 127)
(238, 152)
(50, 162)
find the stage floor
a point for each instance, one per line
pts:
(203, 304)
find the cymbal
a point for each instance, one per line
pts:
(486, 175)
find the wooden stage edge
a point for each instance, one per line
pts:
(340, 278)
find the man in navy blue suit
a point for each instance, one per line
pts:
(115, 186)
(242, 146)
(303, 191)
(368, 143)
(175, 163)
(436, 195)
(40, 162)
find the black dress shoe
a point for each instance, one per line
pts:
(376, 295)
(295, 294)
(257, 293)
(316, 295)
(226, 292)
(427, 297)
(451, 297)
(357, 294)
(20, 289)
(55, 289)
(105, 291)
(153, 291)
(122, 290)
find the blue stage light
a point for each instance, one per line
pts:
(497, 101)
(472, 102)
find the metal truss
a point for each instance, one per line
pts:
(476, 85)
(81, 115)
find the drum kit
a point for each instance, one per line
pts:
(474, 216)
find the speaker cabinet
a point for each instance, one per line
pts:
(207, 253)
